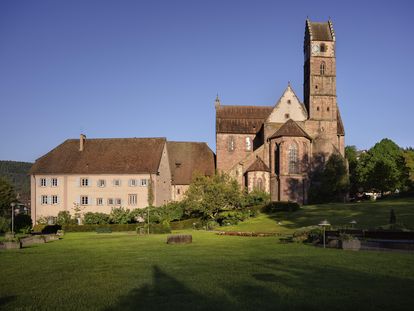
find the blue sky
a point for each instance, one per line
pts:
(153, 68)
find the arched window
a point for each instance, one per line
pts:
(277, 160)
(248, 144)
(231, 144)
(293, 159)
(259, 184)
(322, 68)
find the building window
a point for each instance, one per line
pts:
(84, 200)
(317, 108)
(322, 68)
(54, 199)
(259, 184)
(231, 144)
(316, 87)
(287, 116)
(323, 47)
(101, 183)
(144, 182)
(117, 182)
(84, 182)
(327, 109)
(118, 201)
(42, 182)
(288, 101)
(132, 199)
(43, 199)
(248, 144)
(178, 191)
(132, 182)
(99, 201)
(110, 201)
(293, 159)
(54, 182)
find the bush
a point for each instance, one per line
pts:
(22, 222)
(230, 218)
(274, 207)
(93, 228)
(308, 234)
(256, 197)
(158, 228)
(4, 224)
(184, 224)
(90, 218)
(254, 210)
(120, 215)
(46, 229)
(64, 218)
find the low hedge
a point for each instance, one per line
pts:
(46, 229)
(94, 228)
(184, 224)
(274, 207)
(158, 228)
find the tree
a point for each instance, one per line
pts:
(7, 196)
(383, 167)
(332, 183)
(352, 158)
(208, 196)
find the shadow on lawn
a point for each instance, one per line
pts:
(304, 287)
(6, 299)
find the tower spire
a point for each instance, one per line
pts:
(217, 101)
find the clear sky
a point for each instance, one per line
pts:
(153, 68)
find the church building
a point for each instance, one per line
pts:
(276, 148)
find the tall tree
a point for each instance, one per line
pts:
(351, 154)
(383, 167)
(7, 196)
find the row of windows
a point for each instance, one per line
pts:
(86, 200)
(86, 182)
(232, 144)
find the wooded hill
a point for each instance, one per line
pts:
(17, 174)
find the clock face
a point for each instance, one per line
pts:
(315, 48)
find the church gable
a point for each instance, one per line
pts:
(288, 107)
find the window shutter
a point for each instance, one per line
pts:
(58, 199)
(90, 200)
(77, 200)
(49, 199)
(47, 182)
(78, 181)
(89, 182)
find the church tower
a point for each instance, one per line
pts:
(319, 84)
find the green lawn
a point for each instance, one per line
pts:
(367, 215)
(123, 271)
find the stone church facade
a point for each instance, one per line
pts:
(276, 148)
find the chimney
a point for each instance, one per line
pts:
(82, 141)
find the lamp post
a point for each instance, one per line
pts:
(353, 222)
(12, 222)
(324, 224)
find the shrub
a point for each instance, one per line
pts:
(158, 228)
(184, 224)
(230, 217)
(92, 228)
(274, 207)
(4, 224)
(119, 215)
(308, 234)
(90, 218)
(253, 211)
(256, 197)
(64, 218)
(22, 222)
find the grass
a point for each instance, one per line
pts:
(367, 215)
(123, 271)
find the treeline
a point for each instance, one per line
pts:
(17, 174)
(384, 168)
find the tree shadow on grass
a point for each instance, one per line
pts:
(277, 286)
(6, 299)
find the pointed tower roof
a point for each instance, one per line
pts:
(258, 166)
(291, 129)
(320, 31)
